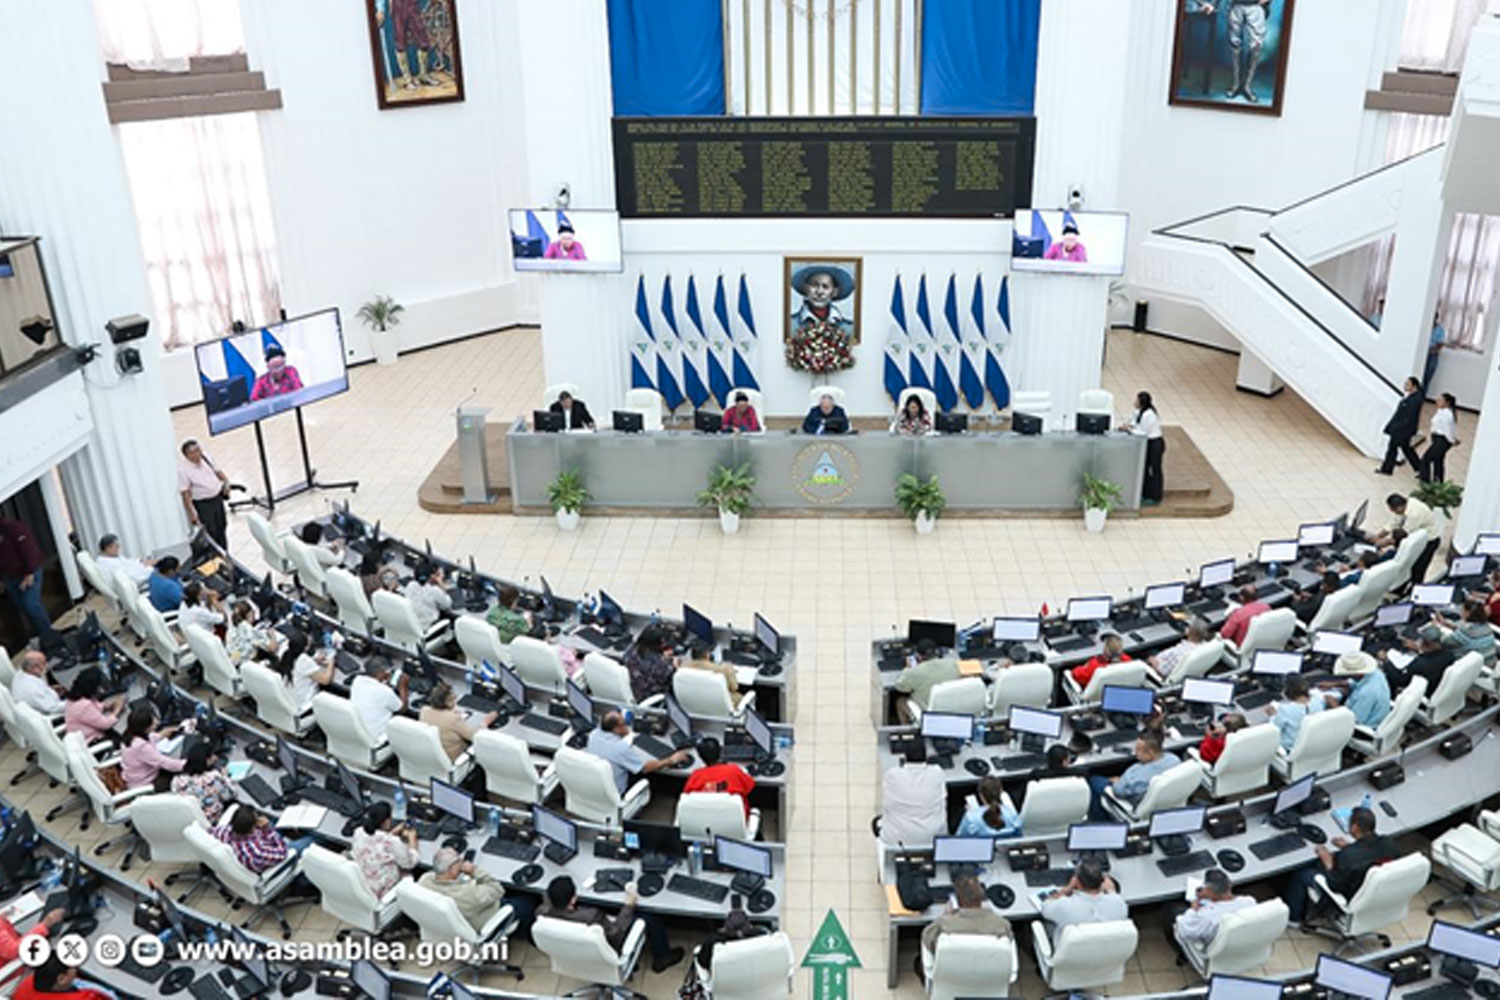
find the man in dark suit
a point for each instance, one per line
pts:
(575, 413)
(1401, 428)
(1430, 663)
(1345, 871)
(1307, 604)
(826, 418)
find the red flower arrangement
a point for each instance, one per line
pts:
(819, 348)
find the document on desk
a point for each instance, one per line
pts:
(1399, 658)
(22, 907)
(303, 816)
(239, 770)
(1191, 886)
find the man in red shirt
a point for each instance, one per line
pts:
(55, 981)
(10, 936)
(1114, 652)
(1238, 622)
(716, 777)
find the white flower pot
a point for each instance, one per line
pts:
(568, 520)
(1094, 518)
(729, 522)
(384, 344)
(924, 523)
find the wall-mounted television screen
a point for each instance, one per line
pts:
(566, 239)
(249, 376)
(1063, 242)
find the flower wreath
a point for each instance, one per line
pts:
(819, 347)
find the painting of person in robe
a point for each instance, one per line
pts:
(1231, 54)
(823, 293)
(280, 378)
(566, 246)
(415, 50)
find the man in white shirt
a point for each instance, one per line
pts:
(1198, 924)
(30, 685)
(1412, 515)
(1091, 897)
(110, 559)
(1169, 659)
(375, 700)
(914, 802)
(428, 594)
(328, 552)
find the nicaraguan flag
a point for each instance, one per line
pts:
(945, 344)
(643, 345)
(1039, 230)
(994, 375)
(743, 374)
(536, 231)
(694, 350)
(721, 347)
(668, 351)
(897, 345)
(921, 341)
(972, 352)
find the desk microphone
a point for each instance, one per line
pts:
(472, 393)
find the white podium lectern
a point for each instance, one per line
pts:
(472, 459)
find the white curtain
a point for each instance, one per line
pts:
(165, 34)
(204, 211)
(1435, 34)
(1406, 135)
(857, 77)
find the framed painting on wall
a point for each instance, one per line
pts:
(415, 52)
(822, 312)
(1230, 55)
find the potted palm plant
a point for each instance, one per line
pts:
(381, 314)
(730, 489)
(1443, 497)
(1099, 497)
(567, 496)
(920, 500)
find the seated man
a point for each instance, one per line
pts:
(1299, 701)
(53, 980)
(1162, 664)
(562, 904)
(374, 698)
(30, 685)
(969, 916)
(1470, 634)
(163, 589)
(1352, 573)
(1344, 871)
(1307, 604)
(257, 844)
(1238, 622)
(329, 552)
(1114, 652)
(112, 560)
(1090, 897)
(428, 594)
(1368, 693)
(826, 418)
(913, 801)
(716, 777)
(1432, 661)
(478, 894)
(611, 741)
(915, 683)
(575, 414)
(1131, 786)
(1198, 923)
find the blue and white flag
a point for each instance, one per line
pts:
(998, 339)
(694, 350)
(971, 357)
(897, 345)
(536, 231)
(229, 363)
(922, 346)
(945, 365)
(669, 351)
(721, 347)
(743, 373)
(1040, 231)
(643, 344)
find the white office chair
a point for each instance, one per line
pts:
(1382, 900)
(579, 951)
(1168, 790)
(1052, 805)
(1034, 402)
(539, 664)
(1473, 855)
(96, 578)
(1131, 673)
(1268, 630)
(1319, 746)
(7, 669)
(1386, 737)
(348, 595)
(1026, 684)
(608, 681)
(1097, 401)
(260, 891)
(929, 403)
(1244, 940)
(273, 700)
(1406, 555)
(964, 696)
(1452, 691)
(816, 394)
(349, 740)
(479, 641)
(52, 758)
(757, 968)
(438, 918)
(159, 821)
(704, 693)
(108, 808)
(218, 672)
(270, 544)
(1195, 663)
(716, 814)
(510, 771)
(1335, 610)
(590, 792)
(1245, 763)
(420, 755)
(346, 895)
(399, 623)
(170, 651)
(312, 575)
(648, 403)
(132, 601)
(969, 966)
(18, 736)
(1374, 583)
(1085, 955)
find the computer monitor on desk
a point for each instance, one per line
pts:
(1202, 694)
(1290, 799)
(1090, 609)
(1091, 423)
(512, 687)
(1347, 980)
(1137, 701)
(951, 423)
(287, 757)
(963, 850)
(680, 722)
(943, 635)
(1487, 544)
(1089, 840)
(1216, 574)
(454, 802)
(759, 731)
(951, 726)
(560, 833)
(1393, 615)
(1432, 595)
(1028, 424)
(1315, 535)
(581, 706)
(707, 422)
(368, 978)
(1171, 828)
(1016, 630)
(252, 958)
(1275, 663)
(751, 862)
(629, 421)
(663, 843)
(1277, 552)
(697, 625)
(1035, 725)
(1464, 944)
(767, 636)
(546, 422)
(352, 788)
(1466, 567)
(1327, 642)
(1164, 595)
(1238, 988)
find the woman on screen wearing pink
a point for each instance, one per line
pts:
(1069, 249)
(280, 378)
(565, 247)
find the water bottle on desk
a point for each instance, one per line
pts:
(1368, 802)
(694, 857)
(398, 805)
(469, 678)
(52, 879)
(494, 821)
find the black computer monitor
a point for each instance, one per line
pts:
(1460, 942)
(1034, 721)
(1028, 424)
(943, 635)
(743, 857)
(352, 787)
(1350, 980)
(1282, 551)
(287, 756)
(760, 732)
(963, 850)
(653, 838)
(1091, 423)
(1316, 535)
(1097, 836)
(1128, 700)
(1216, 574)
(251, 958)
(512, 685)
(1276, 663)
(836, 425)
(947, 726)
(951, 423)
(170, 913)
(609, 609)
(629, 421)
(707, 422)
(1016, 629)
(1239, 988)
(1177, 822)
(1464, 567)
(555, 828)
(1487, 543)
(1203, 691)
(1328, 642)
(697, 624)
(1393, 615)
(1294, 795)
(579, 702)
(1432, 595)
(545, 421)
(452, 800)
(1090, 609)
(370, 980)
(1164, 595)
(768, 637)
(1358, 517)
(678, 718)
(458, 991)
(17, 857)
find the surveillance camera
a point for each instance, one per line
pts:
(562, 194)
(1075, 197)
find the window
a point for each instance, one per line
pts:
(1435, 35)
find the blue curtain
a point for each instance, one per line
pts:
(667, 57)
(979, 57)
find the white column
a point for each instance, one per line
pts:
(1480, 510)
(62, 178)
(569, 102)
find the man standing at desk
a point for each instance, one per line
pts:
(826, 418)
(1411, 515)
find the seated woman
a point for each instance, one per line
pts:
(329, 552)
(85, 714)
(914, 420)
(375, 575)
(141, 762)
(200, 606)
(307, 674)
(246, 640)
(650, 667)
(1212, 747)
(989, 816)
(454, 730)
(383, 850)
(1471, 634)
(741, 416)
(203, 779)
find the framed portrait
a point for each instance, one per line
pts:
(1230, 55)
(822, 292)
(414, 52)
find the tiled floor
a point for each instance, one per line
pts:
(835, 584)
